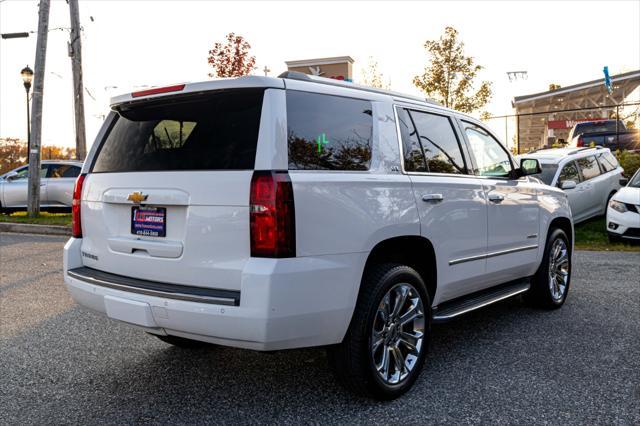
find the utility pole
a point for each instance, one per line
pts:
(75, 52)
(36, 122)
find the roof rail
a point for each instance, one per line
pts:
(296, 75)
(585, 148)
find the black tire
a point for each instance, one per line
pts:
(540, 293)
(353, 361)
(182, 342)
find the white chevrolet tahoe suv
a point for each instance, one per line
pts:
(277, 213)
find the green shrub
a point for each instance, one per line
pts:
(630, 162)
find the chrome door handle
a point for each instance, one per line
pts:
(496, 198)
(432, 197)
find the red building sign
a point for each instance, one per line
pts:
(568, 124)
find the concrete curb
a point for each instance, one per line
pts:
(30, 228)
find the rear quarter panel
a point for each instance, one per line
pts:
(349, 212)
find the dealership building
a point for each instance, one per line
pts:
(337, 67)
(545, 118)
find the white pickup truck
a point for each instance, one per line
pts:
(276, 213)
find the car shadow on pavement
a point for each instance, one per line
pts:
(80, 367)
(166, 382)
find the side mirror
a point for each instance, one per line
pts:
(623, 181)
(568, 184)
(529, 166)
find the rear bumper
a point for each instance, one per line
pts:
(284, 303)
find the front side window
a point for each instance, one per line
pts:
(588, 167)
(23, 173)
(439, 143)
(548, 172)
(326, 132)
(491, 157)
(569, 172)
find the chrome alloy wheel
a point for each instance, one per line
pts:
(558, 269)
(398, 333)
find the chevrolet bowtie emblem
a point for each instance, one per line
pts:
(137, 197)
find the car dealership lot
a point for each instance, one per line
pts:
(506, 363)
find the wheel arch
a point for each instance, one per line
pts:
(565, 225)
(411, 250)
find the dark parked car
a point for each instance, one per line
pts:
(610, 134)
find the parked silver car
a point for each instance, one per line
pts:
(589, 176)
(57, 178)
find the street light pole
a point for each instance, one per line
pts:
(27, 77)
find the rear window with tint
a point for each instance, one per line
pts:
(597, 127)
(214, 131)
(328, 132)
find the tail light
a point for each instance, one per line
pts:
(272, 215)
(157, 90)
(76, 227)
(580, 141)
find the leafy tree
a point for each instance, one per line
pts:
(372, 77)
(231, 59)
(449, 78)
(53, 152)
(485, 116)
(628, 117)
(13, 153)
(630, 161)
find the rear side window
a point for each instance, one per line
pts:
(608, 162)
(214, 131)
(63, 171)
(588, 167)
(413, 153)
(328, 132)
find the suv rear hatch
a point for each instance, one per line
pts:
(167, 194)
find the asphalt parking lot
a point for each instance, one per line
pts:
(505, 364)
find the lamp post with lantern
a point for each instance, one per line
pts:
(27, 77)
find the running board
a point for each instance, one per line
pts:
(462, 305)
